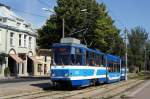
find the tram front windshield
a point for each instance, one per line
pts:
(63, 56)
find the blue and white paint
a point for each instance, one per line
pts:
(82, 75)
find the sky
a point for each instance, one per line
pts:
(126, 13)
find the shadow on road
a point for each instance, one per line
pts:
(49, 87)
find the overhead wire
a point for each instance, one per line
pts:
(44, 3)
(29, 13)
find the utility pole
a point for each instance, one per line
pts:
(63, 29)
(145, 60)
(126, 55)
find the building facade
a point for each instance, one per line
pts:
(18, 42)
(42, 62)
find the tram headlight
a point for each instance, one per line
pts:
(53, 74)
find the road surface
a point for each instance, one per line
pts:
(22, 85)
(140, 92)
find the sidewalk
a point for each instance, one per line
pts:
(22, 79)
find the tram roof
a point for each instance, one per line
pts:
(77, 45)
(68, 44)
(113, 58)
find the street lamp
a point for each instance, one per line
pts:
(50, 10)
(63, 21)
(83, 10)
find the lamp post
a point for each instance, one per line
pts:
(126, 55)
(63, 21)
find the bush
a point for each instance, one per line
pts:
(6, 72)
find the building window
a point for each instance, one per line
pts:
(11, 39)
(20, 35)
(25, 39)
(45, 58)
(18, 24)
(30, 40)
(1, 20)
(4, 20)
(39, 69)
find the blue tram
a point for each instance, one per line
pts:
(76, 65)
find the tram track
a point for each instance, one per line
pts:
(114, 91)
(86, 90)
(111, 88)
(64, 94)
(32, 95)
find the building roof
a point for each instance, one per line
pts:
(6, 12)
(4, 5)
(33, 33)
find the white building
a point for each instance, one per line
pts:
(18, 40)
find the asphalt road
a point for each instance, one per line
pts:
(22, 86)
(141, 91)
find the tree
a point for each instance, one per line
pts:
(106, 34)
(94, 27)
(50, 33)
(137, 42)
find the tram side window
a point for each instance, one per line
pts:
(118, 67)
(113, 67)
(110, 67)
(92, 59)
(99, 60)
(87, 57)
(78, 56)
(103, 60)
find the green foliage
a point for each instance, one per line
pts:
(94, 27)
(137, 43)
(106, 34)
(49, 33)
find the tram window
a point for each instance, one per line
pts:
(110, 66)
(73, 59)
(113, 67)
(98, 60)
(79, 59)
(62, 56)
(116, 67)
(92, 59)
(101, 60)
(87, 58)
(77, 51)
(78, 55)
